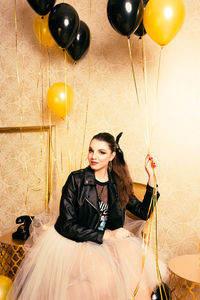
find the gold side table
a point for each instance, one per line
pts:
(11, 255)
(185, 277)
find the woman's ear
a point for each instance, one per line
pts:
(113, 155)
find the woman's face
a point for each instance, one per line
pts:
(99, 155)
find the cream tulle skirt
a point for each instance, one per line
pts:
(56, 268)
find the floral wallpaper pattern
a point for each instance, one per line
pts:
(103, 79)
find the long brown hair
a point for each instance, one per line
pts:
(120, 170)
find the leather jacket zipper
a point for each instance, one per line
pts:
(96, 210)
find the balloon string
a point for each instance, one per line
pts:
(145, 244)
(158, 76)
(160, 282)
(65, 70)
(154, 196)
(131, 60)
(157, 90)
(65, 66)
(144, 68)
(146, 237)
(146, 116)
(87, 104)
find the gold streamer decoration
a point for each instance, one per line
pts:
(87, 104)
(52, 157)
(20, 89)
(66, 118)
(43, 69)
(16, 46)
(90, 4)
(51, 162)
(49, 167)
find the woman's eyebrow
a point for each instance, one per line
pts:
(104, 150)
(90, 148)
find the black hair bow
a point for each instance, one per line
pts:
(119, 152)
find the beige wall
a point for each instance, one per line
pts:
(113, 107)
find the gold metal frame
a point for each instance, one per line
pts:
(183, 289)
(49, 129)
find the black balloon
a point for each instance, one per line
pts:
(42, 7)
(145, 2)
(140, 30)
(125, 15)
(81, 42)
(166, 293)
(63, 24)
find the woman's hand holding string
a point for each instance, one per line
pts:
(150, 169)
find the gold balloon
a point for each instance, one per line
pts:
(41, 30)
(163, 19)
(60, 99)
(5, 284)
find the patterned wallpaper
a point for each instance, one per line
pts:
(27, 70)
(23, 175)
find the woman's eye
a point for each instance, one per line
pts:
(102, 152)
(90, 150)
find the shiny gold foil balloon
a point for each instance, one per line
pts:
(60, 99)
(41, 30)
(163, 19)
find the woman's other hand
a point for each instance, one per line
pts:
(120, 233)
(149, 167)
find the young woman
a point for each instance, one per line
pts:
(88, 254)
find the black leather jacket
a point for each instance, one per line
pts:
(79, 210)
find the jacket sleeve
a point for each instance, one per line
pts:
(67, 224)
(141, 209)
